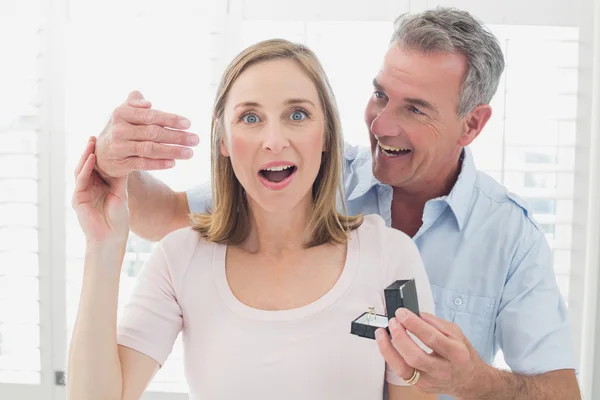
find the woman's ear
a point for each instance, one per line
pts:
(224, 150)
(222, 144)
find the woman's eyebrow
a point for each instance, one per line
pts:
(298, 101)
(286, 102)
(247, 104)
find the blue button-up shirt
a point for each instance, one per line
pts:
(487, 259)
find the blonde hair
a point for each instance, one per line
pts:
(229, 219)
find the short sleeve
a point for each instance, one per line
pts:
(152, 318)
(200, 198)
(403, 261)
(532, 326)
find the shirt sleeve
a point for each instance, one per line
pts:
(403, 261)
(152, 318)
(200, 198)
(532, 326)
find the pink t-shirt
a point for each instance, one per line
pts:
(232, 351)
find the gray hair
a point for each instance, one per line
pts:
(451, 30)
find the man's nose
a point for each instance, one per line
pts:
(385, 124)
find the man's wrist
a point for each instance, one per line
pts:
(490, 383)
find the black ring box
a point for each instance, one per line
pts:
(402, 293)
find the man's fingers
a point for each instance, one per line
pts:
(143, 103)
(447, 328)
(136, 99)
(143, 116)
(437, 341)
(135, 95)
(414, 356)
(157, 134)
(391, 355)
(153, 150)
(89, 149)
(148, 164)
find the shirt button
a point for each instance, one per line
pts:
(458, 301)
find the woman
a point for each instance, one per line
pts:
(265, 286)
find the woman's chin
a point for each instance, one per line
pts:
(279, 202)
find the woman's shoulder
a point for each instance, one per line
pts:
(181, 245)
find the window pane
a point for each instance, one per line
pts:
(18, 190)
(18, 264)
(15, 141)
(18, 166)
(26, 313)
(18, 239)
(536, 138)
(18, 214)
(19, 289)
(19, 125)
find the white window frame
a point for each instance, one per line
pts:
(587, 277)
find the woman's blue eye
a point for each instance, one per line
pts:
(250, 118)
(298, 115)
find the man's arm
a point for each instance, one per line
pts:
(138, 138)
(407, 393)
(533, 328)
(155, 209)
(502, 385)
(454, 368)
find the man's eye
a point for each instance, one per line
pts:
(379, 94)
(415, 110)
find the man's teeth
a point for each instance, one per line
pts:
(280, 168)
(390, 148)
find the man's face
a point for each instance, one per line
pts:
(415, 132)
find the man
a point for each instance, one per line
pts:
(488, 261)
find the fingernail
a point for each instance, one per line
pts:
(193, 140)
(187, 153)
(401, 314)
(393, 324)
(378, 334)
(170, 163)
(143, 102)
(184, 123)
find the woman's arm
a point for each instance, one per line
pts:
(98, 368)
(407, 393)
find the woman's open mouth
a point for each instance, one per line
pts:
(277, 177)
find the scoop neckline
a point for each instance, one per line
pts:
(322, 303)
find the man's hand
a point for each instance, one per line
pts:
(453, 367)
(137, 138)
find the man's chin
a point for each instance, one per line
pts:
(382, 175)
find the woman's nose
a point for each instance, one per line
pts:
(275, 137)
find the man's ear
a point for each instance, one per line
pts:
(475, 123)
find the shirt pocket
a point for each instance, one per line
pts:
(473, 314)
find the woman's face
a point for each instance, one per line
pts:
(274, 134)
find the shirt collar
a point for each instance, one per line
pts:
(362, 167)
(458, 200)
(460, 195)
